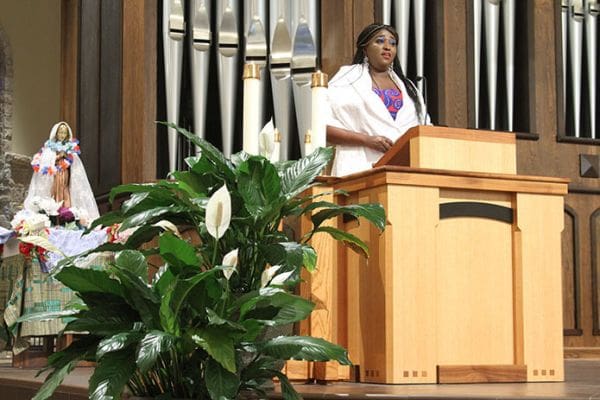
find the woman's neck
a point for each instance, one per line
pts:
(378, 73)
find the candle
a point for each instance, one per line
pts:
(276, 155)
(251, 107)
(309, 146)
(319, 102)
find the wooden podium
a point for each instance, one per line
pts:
(464, 285)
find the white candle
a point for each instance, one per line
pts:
(276, 155)
(318, 116)
(309, 147)
(251, 108)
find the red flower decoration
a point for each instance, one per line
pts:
(25, 249)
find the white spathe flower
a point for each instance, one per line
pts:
(281, 278)
(218, 213)
(266, 139)
(230, 261)
(268, 274)
(43, 242)
(168, 226)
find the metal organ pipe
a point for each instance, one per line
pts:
(575, 42)
(564, 15)
(256, 50)
(173, 33)
(419, 15)
(591, 24)
(402, 13)
(304, 60)
(200, 61)
(280, 66)
(386, 16)
(491, 14)
(509, 52)
(227, 61)
(477, 55)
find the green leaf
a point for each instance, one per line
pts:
(153, 344)
(309, 258)
(220, 382)
(215, 320)
(100, 326)
(131, 188)
(287, 389)
(89, 280)
(54, 380)
(177, 251)
(291, 254)
(259, 186)
(217, 344)
(117, 342)
(222, 165)
(141, 235)
(305, 348)
(239, 158)
(158, 197)
(133, 261)
(346, 238)
(46, 315)
(176, 297)
(63, 362)
(108, 219)
(111, 374)
(297, 176)
(149, 216)
(140, 296)
(253, 329)
(190, 183)
(371, 212)
(276, 307)
(162, 279)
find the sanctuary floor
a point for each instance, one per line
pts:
(582, 381)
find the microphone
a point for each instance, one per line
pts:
(423, 117)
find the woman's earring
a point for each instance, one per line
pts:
(366, 60)
(391, 66)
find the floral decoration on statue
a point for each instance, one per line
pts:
(67, 149)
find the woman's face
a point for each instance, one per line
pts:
(62, 133)
(381, 50)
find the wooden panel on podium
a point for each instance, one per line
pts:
(321, 287)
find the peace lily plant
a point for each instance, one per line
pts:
(196, 327)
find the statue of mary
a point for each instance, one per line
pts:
(58, 173)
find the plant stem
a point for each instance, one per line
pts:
(214, 257)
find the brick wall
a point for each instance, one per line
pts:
(6, 183)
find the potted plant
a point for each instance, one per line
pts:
(196, 328)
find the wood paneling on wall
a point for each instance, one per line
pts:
(69, 38)
(453, 87)
(341, 22)
(99, 113)
(139, 89)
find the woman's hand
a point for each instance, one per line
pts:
(379, 143)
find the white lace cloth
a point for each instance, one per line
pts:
(72, 243)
